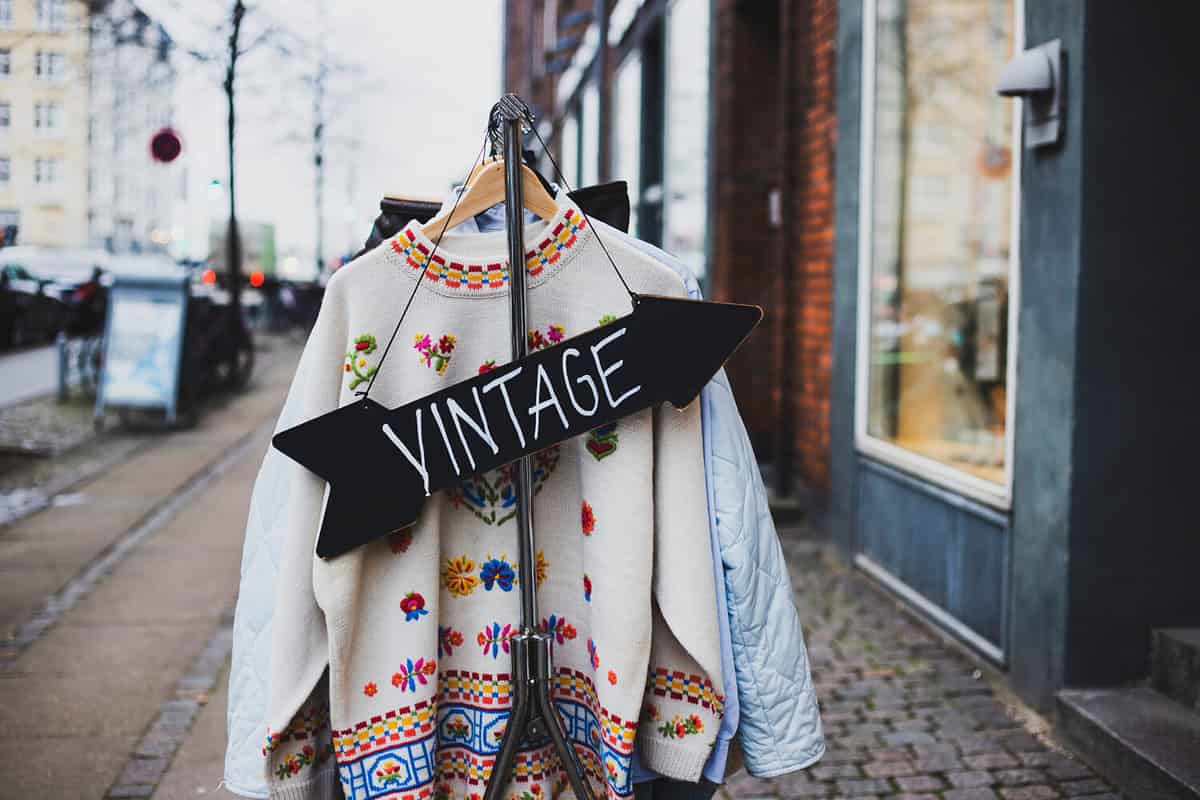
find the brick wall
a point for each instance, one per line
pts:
(782, 376)
(813, 255)
(782, 379)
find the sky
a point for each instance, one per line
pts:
(407, 111)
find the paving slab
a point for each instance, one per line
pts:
(41, 552)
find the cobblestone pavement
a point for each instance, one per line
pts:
(905, 714)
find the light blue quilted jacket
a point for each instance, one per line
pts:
(779, 728)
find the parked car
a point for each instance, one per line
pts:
(76, 274)
(30, 310)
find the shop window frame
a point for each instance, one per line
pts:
(939, 473)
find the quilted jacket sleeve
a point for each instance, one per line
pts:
(780, 722)
(277, 712)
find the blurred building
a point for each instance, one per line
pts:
(981, 312)
(719, 115)
(131, 197)
(43, 120)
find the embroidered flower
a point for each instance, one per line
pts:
(612, 677)
(602, 442)
(295, 762)
(493, 638)
(399, 541)
(434, 356)
(370, 689)
(588, 518)
(555, 333)
(541, 567)
(442, 792)
(487, 366)
(498, 572)
(587, 588)
(536, 340)
(559, 627)
(608, 318)
(389, 772)
(413, 606)
(410, 673)
(651, 711)
(364, 345)
(448, 639)
(592, 654)
(458, 576)
(678, 726)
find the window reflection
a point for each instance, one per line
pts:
(942, 195)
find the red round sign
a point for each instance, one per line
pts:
(165, 146)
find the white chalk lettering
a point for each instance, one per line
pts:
(540, 405)
(611, 368)
(586, 379)
(481, 428)
(503, 379)
(437, 417)
(419, 466)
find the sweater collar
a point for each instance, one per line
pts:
(476, 264)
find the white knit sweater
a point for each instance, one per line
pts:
(393, 658)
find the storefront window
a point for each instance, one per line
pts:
(685, 211)
(627, 141)
(589, 141)
(570, 149)
(941, 235)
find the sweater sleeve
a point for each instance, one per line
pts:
(298, 750)
(684, 694)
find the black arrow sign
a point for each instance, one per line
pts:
(666, 350)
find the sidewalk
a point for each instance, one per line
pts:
(112, 596)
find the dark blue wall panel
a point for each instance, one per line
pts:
(952, 552)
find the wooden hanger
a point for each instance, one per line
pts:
(486, 190)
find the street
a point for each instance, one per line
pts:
(27, 373)
(120, 604)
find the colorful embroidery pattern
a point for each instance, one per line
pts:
(399, 541)
(309, 756)
(413, 606)
(608, 319)
(470, 278)
(311, 719)
(680, 726)
(371, 689)
(497, 572)
(592, 654)
(403, 723)
(541, 568)
(554, 335)
(560, 628)
(678, 685)
(587, 518)
(435, 355)
(456, 735)
(356, 359)
(448, 639)
(493, 639)
(490, 496)
(411, 673)
(587, 588)
(612, 677)
(458, 576)
(602, 442)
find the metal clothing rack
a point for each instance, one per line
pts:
(533, 715)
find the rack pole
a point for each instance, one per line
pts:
(533, 714)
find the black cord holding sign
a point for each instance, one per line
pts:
(503, 416)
